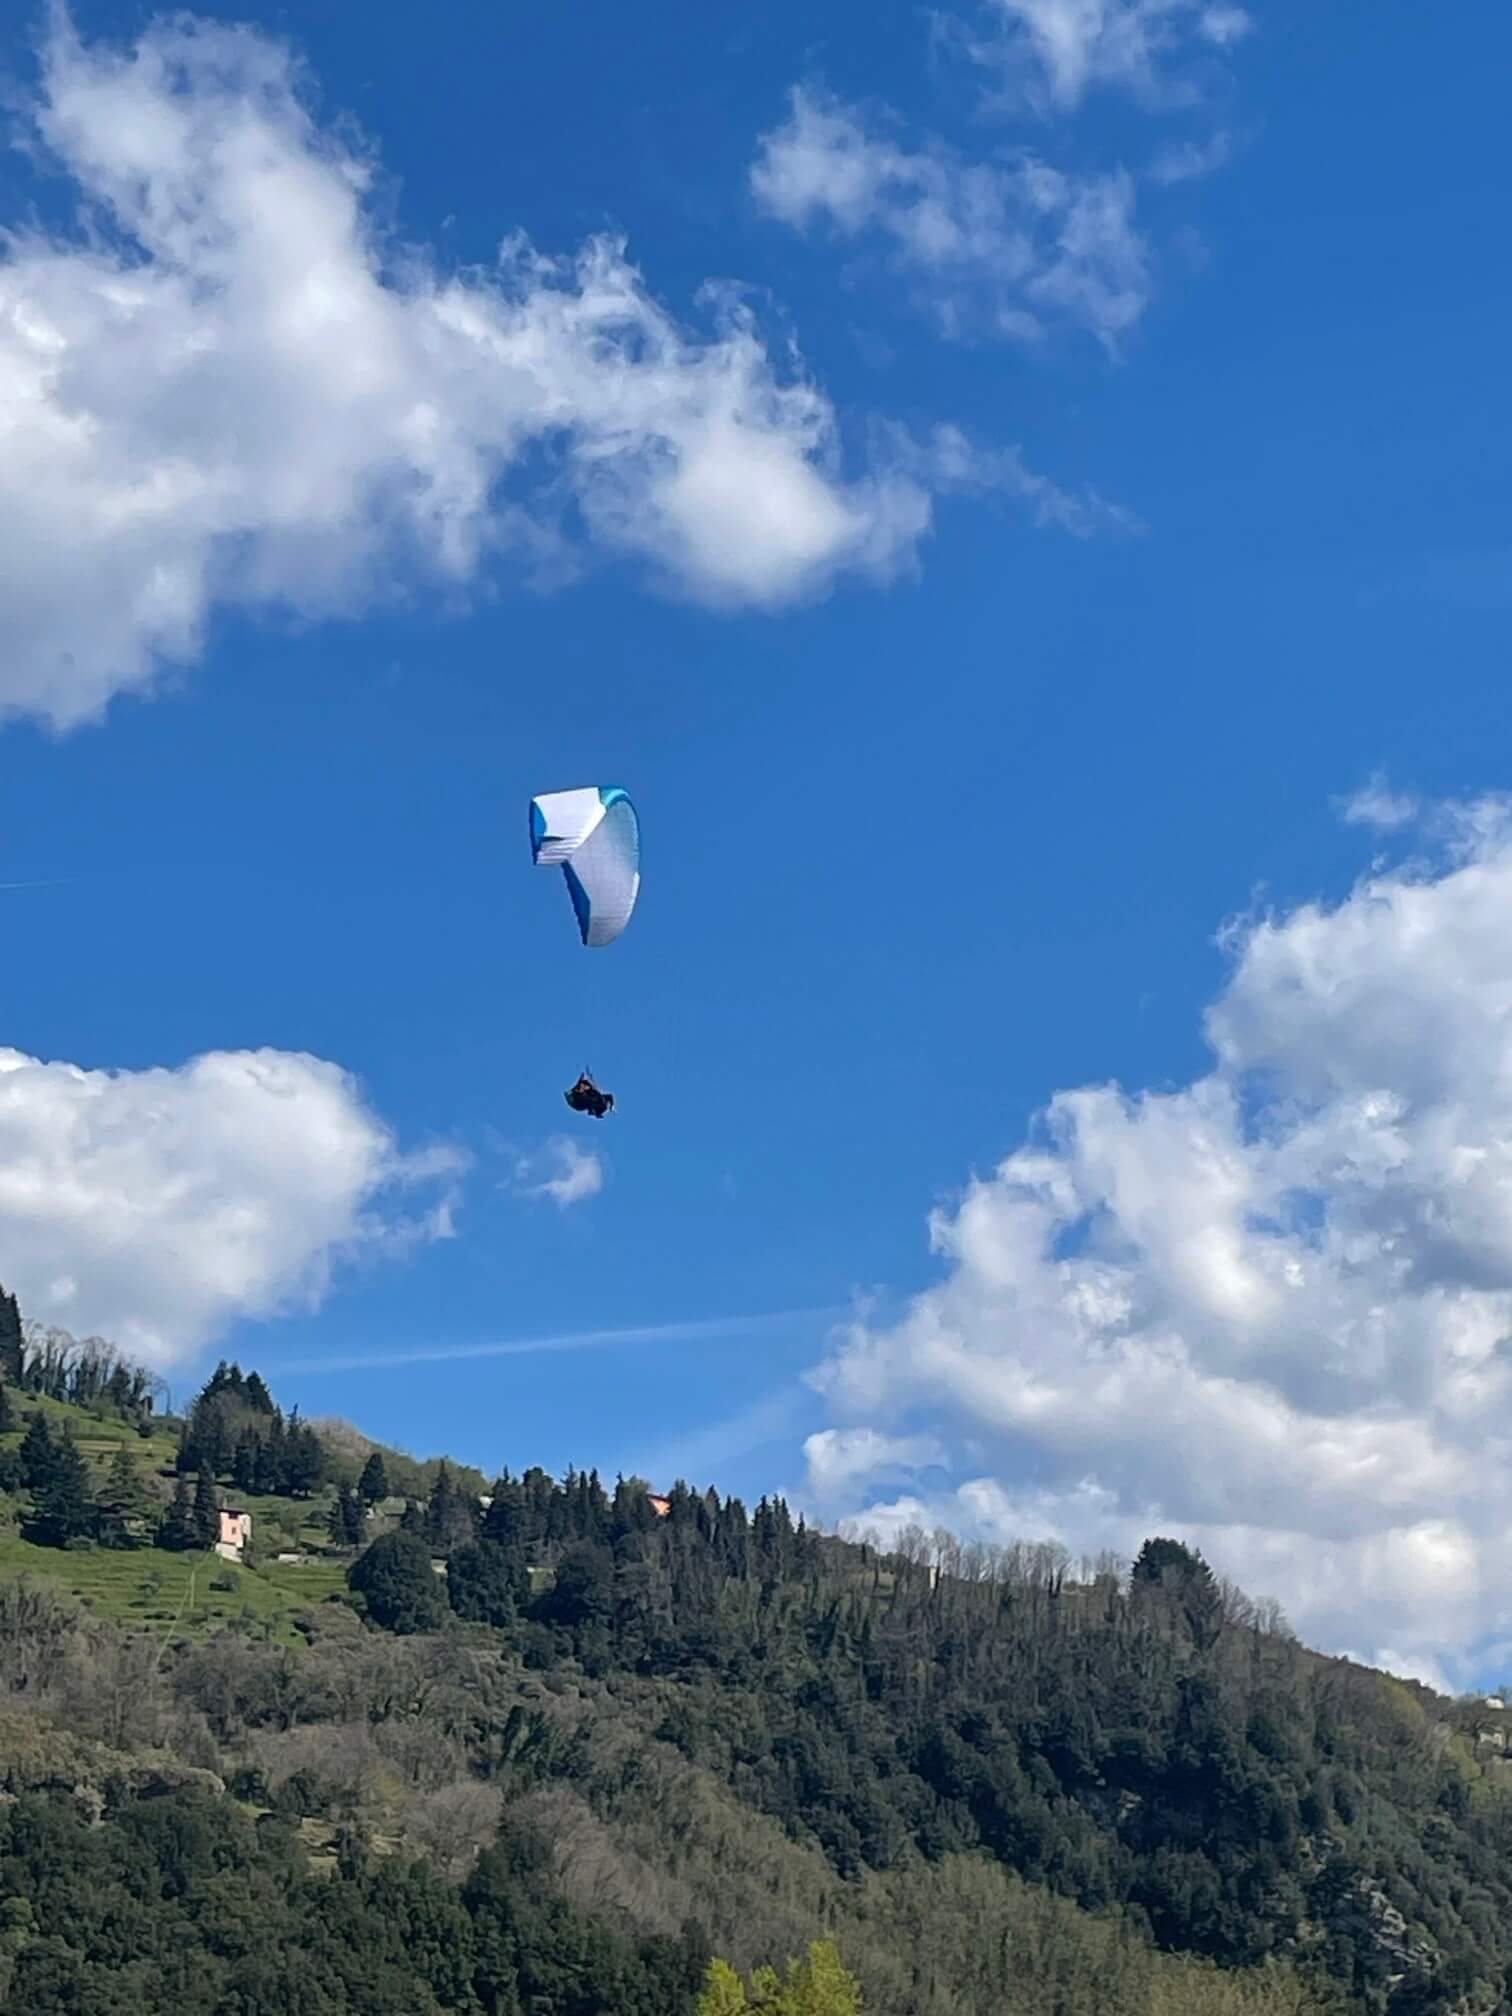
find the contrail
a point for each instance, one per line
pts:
(708, 1327)
(62, 882)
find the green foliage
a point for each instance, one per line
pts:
(485, 1584)
(64, 1510)
(176, 1530)
(817, 1985)
(398, 1585)
(37, 1454)
(204, 1515)
(372, 1485)
(344, 1522)
(123, 1503)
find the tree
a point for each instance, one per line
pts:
(176, 1531)
(38, 1453)
(256, 1394)
(344, 1521)
(400, 1588)
(122, 1502)
(817, 1985)
(723, 1992)
(7, 1412)
(486, 1585)
(65, 1511)
(372, 1485)
(583, 1592)
(451, 1520)
(12, 1340)
(205, 1518)
(304, 1459)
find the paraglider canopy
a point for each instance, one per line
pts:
(593, 836)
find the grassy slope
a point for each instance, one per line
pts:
(150, 1587)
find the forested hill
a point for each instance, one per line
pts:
(560, 1748)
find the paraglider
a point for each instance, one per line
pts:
(593, 836)
(585, 1097)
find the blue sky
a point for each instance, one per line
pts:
(940, 820)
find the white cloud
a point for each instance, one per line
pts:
(1269, 1311)
(837, 1458)
(224, 386)
(155, 1207)
(947, 460)
(1074, 45)
(1190, 160)
(1018, 246)
(579, 1172)
(1376, 804)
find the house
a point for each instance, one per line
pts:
(235, 1532)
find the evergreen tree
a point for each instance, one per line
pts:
(451, 1518)
(176, 1531)
(38, 1453)
(12, 1340)
(65, 1510)
(257, 1395)
(304, 1459)
(372, 1485)
(344, 1521)
(122, 1502)
(244, 1462)
(205, 1518)
(399, 1585)
(486, 1585)
(7, 1411)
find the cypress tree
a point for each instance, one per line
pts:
(372, 1485)
(176, 1532)
(205, 1518)
(12, 1340)
(344, 1522)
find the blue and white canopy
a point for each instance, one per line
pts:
(593, 836)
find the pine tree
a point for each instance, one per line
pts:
(372, 1485)
(122, 1502)
(304, 1459)
(176, 1532)
(65, 1510)
(38, 1453)
(7, 1412)
(344, 1522)
(205, 1518)
(450, 1518)
(257, 1394)
(12, 1340)
(244, 1463)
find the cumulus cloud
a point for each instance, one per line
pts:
(225, 386)
(155, 1207)
(1019, 246)
(576, 1172)
(1271, 1310)
(1071, 46)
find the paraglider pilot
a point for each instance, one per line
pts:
(585, 1097)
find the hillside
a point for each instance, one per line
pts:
(556, 1751)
